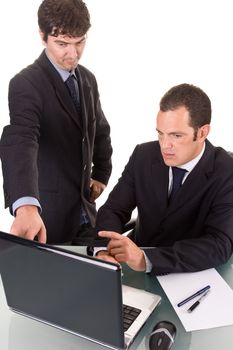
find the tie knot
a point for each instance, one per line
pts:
(70, 77)
(70, 82)
(178, 172)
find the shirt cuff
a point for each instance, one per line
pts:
(97, 250)
(148, 263)
(25, 201)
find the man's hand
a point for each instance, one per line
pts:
(28, 224)
(104, 255)
(96, 189)
(124, 250)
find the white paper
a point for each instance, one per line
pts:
(215, 310)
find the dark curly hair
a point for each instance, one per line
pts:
(193, 99)
(69, 17)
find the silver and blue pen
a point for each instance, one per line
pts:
(199, 292)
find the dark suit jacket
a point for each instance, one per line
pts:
(195, 231)
(48, 150)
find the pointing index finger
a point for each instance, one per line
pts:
(110, 234)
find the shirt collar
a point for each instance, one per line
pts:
(189, 166)
(192, 163)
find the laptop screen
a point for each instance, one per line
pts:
(71, 291)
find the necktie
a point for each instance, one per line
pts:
(72, 86)
(178, 175)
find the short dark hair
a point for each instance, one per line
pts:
(193, 99)
(65, 17)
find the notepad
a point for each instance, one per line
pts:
(214, 311)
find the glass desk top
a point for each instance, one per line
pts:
(21, 333)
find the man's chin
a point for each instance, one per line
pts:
(169, 160)
(70, 66)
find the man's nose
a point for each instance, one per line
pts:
(165, 142)
(73, 51)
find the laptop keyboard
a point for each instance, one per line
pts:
(130, 314)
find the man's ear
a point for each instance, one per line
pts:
(203, 132)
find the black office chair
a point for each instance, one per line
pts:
(130, 225)
(130, 228)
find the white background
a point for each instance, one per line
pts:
(137, 50)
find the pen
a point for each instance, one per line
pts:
(201, 291)
(192, 307)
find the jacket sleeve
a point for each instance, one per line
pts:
(102, 164)
(19, 142)
(117, 210)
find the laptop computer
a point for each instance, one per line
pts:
(73, 292)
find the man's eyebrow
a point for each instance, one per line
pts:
(83, 38)
(177, 132)
(172, 132)
(66, 42)
(60, 41)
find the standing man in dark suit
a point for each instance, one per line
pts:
(56, 152)
(191, 229)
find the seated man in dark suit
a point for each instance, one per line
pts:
(185, 215)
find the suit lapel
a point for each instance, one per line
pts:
(197, 179)
(84, 94)
(160, 175)
(190, 187)
(59, 88)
